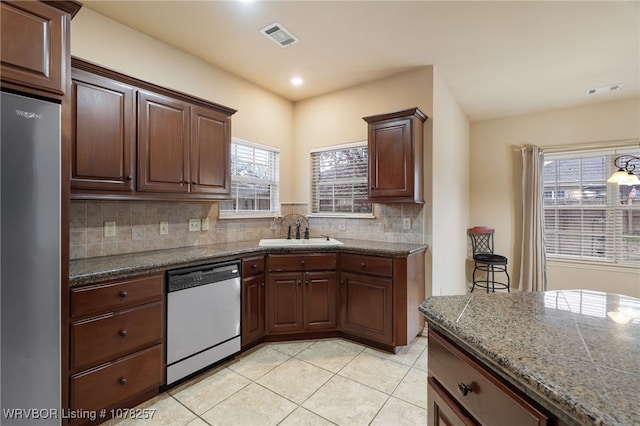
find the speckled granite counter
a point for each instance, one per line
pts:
(559, 347)
(97, 269)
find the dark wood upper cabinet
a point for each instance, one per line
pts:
(35, 46)
(103, 133)
(134, 140)
(395, 142)
(210, 152)
(163, 143)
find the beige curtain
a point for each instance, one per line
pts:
(532, 264)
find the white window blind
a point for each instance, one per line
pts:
(584, 216)
(339, 179)
(255, 176)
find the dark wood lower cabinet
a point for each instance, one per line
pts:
(443, 410)
(301, 301)
(117, 355)
(367, 306)
(253, 286)
(462, 391)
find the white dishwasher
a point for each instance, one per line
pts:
(203, 317)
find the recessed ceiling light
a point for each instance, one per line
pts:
(610, 88)
(297, 81)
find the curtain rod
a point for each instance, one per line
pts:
(620, 143)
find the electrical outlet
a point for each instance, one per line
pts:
(194, 225)
(205, 224)
(406, 223)
(110, 229)
(164, 228)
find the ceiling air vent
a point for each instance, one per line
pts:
(611, 88)
(279, 35)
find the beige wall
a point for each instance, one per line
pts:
(496, 180)
(262, 117)
(450, 186)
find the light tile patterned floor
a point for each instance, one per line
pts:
(314, 382)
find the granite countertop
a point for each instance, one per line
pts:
(97, 269)
(562, 348)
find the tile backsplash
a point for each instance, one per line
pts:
(138, 226)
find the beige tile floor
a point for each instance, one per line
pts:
(313, 382)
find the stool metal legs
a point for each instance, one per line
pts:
(490, 281)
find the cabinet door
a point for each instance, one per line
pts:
(252, 309)
(320, 301)
(284, 302)
(103, 138)
(33, 46)
(163, 144)
(367, 306)
(443, 410)
(210, 152)
(391, 159)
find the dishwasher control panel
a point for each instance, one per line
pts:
(194, 276)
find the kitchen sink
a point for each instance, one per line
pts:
(285, 242)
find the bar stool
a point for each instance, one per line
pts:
(485, 260)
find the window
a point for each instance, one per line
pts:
(339, 177)
(255, 173)
(584, 216)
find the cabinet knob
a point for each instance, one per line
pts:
(262, 284)
(122, 333)
(342, 282)
(363, 265)
(463, 389)
(123, 380)
(302, 262)
(129, 177)
(123, 293)
(299, 282)
(306, 282)
(254, 266)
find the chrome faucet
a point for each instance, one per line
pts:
(298, 229)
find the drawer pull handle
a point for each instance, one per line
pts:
(123, 293)
(463, 389)
(123, 380)
(122, 333)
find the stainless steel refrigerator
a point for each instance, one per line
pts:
(30, 261)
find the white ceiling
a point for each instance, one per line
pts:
(499, 58)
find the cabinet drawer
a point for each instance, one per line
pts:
(367, 264)
(112, 335)
(113, 296)
(301, 262)
(489, 401)
(252, 266)
(115, 382)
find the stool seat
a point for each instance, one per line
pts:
(485, 260)
(489, 258)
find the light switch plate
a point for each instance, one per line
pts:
(205, 224)
(194, 225)
(406, 223)
(164, 228)
(110, 229)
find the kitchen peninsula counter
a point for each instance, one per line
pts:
(562, 349)
(97, 269)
